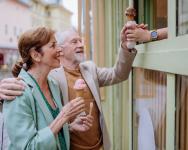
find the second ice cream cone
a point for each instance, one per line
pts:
(79, 92)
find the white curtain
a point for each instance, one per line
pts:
(149, 116)
(182, 113)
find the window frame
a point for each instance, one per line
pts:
(168, 55)
(161, 55)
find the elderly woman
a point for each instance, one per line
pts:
(36, 120)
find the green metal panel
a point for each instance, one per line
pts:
(141, 11)
(108, 62)
(166, 55)
(116, 100)
(170, 112)
(171, 19)
(146, 12)
(130, 103)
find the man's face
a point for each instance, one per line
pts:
(73, 48)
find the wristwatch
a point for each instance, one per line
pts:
(154, 35)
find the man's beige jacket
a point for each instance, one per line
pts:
(98, 77)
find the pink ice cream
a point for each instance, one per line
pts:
(79, 84)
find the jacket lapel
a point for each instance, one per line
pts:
(42, 105)
(55, 93)
(37, 95)
(90, 82)
(59, 75)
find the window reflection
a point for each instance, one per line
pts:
(149, 109)
(154, 13)
(182, 113)
(182, 17)
(160, 14)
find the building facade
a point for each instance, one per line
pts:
(50, 13)
(19, 15)
(11, 13)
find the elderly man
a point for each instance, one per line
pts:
(73, 67)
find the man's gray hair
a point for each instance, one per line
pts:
(61, 36)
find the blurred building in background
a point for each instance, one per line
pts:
(19, 15)
(50, 13)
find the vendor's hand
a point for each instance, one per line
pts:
(138, 35)
(143, 26)
(10, 88)
(81, 123)
(72, 109)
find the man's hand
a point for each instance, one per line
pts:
(124, 34)
(81, 123)
(10, 88)
(139, 33)
(123, 37)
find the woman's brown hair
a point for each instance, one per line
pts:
(31, 39)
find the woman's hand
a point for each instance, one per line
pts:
(73, 108)
(70, 110)
(81, 123)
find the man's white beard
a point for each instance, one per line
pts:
(79, 58)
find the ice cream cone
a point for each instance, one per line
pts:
(130, 14)
(79, 87)
(79, 92)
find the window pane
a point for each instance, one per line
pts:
(182, 113)
(182, 17)
(160, 14)
(149, 109)
(152, 12)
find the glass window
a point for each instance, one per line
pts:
(182, 17)
(160, 14)
(181, 113)
(149, 109)
(152, 12)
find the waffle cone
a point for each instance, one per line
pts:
(79, 92)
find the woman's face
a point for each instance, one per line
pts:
(50, 54)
